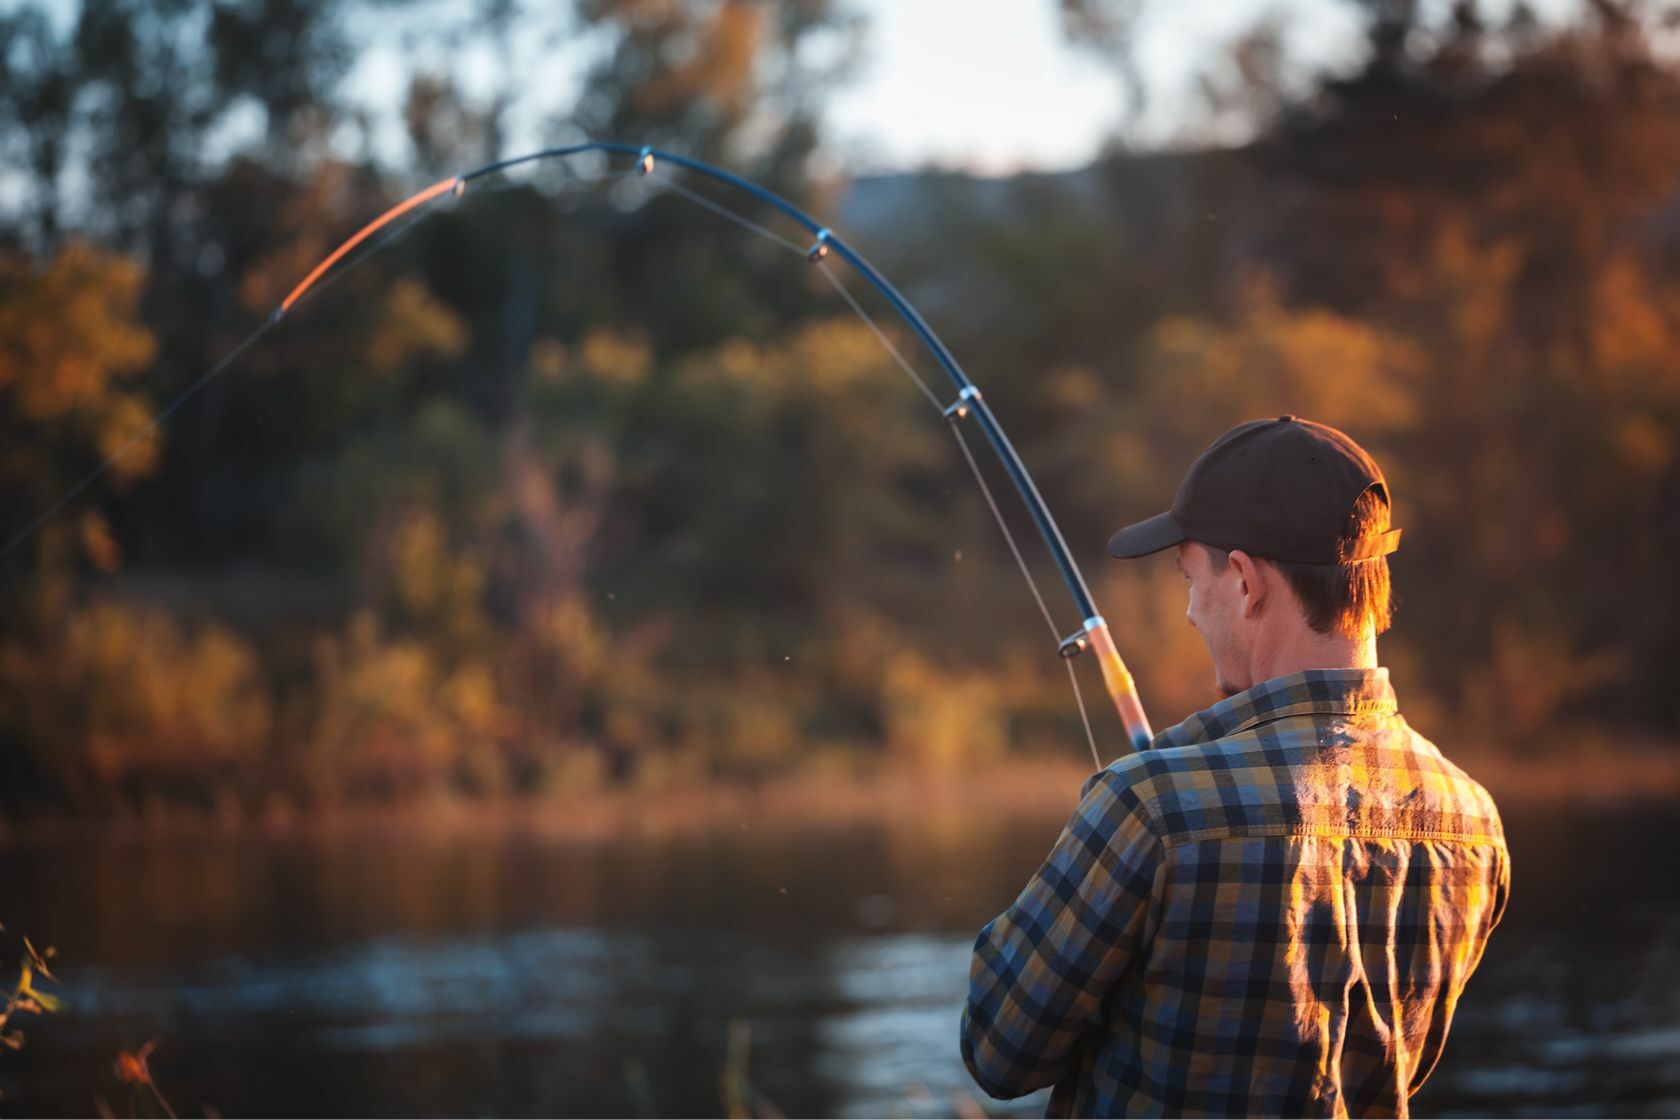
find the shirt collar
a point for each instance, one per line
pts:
(1327, 691)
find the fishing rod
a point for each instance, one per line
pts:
(968, 404)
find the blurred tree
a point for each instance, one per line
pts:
(579, 483)
(145, 97)
(1107, 29)
(1502, 196)
(129, 708)
(71, 345)
(35, 113)
(1465, 250)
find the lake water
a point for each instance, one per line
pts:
(397, 971)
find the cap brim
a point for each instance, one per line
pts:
(1158, 532)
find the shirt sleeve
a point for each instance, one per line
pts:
(1042, 968)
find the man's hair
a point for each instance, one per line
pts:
(1345, 598)
(1342, 598)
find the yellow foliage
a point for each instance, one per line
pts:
(410, 564)
(470, 694)
(1470, 285)
(720, 67)
(412, 324)
(426, 574)
(68, 331)
(128, 419)
(1630, 332)
(98, 545)
(311, 233)
(26, 988)
(548, 358)
(1646, 445)
(940, 719)
(1273, 360)
(755, 731)
(125, 691)
(615, 357)
(1529, 677)
(390, 720)
(858, 645)
(1074, 388)
(834, 364)
(738, 360)
(816, 358)
(69, 335)
(836, 354)
(568, 631)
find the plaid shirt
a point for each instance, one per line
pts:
(1272, 912)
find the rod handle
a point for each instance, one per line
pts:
(1118, 680)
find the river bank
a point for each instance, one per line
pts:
(1020, 789)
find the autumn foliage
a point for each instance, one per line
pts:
(572, 487)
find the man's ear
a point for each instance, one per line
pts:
(1255, 584)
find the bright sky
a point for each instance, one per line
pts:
(981, 85)
(990, 85)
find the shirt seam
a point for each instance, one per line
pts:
(1310, 708)
(1330, 832)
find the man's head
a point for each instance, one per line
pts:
(1282, 531)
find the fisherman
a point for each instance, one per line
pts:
(1273, 910)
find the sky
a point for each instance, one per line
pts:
(991, 86)
(985, 86)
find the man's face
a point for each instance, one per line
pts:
(1215, 610)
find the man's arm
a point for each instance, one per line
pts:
(1042, 968)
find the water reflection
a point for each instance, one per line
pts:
(390, 972)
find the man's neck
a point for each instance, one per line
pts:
(1303, 648)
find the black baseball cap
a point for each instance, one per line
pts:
(1281, 489)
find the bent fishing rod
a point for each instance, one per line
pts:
(968, 404)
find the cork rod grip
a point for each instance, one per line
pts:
(1121, 689)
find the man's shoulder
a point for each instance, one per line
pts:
(1304, 773)
(1461, 793)
(1249, 753)
(1197, 787)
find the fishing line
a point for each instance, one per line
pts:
(1021, 562)
(920, 383)
(717, 208)
(132, 441)
(933, 399)
(1093, 633)
(320, 279)
(985, 489)
(885, 341)
(168, 410)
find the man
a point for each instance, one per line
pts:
(1274, 909)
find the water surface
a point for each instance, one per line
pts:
(409, 971)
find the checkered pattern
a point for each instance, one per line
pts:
(1272, 912)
